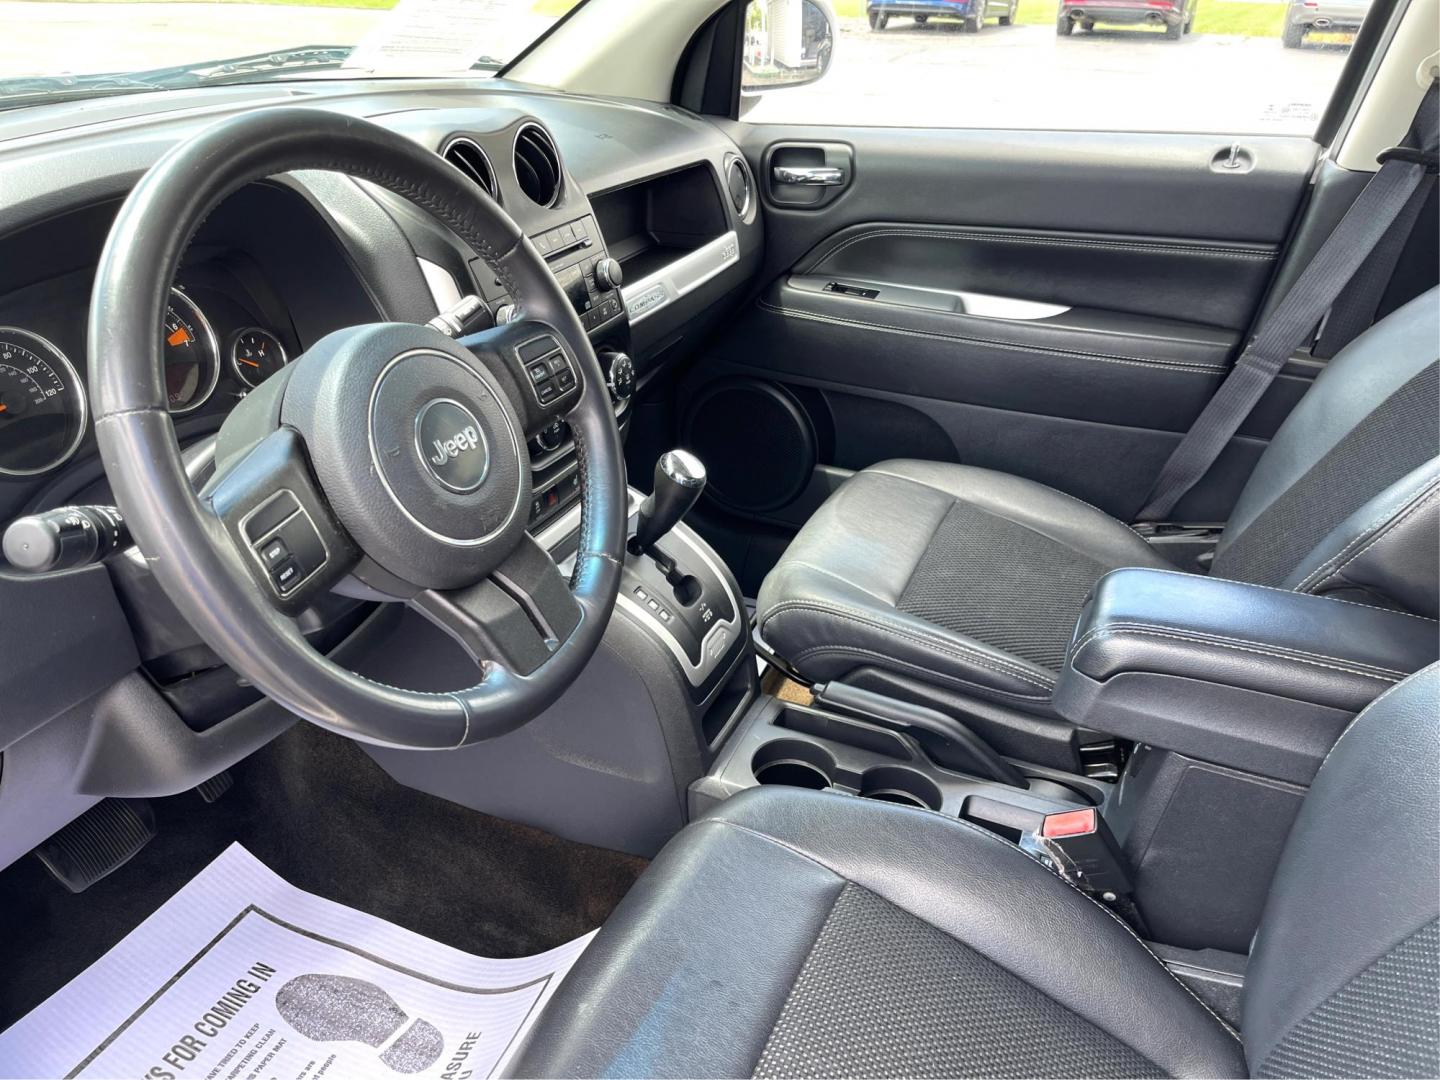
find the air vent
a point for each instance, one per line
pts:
(537, 165)
(466, 155)
(737, 181)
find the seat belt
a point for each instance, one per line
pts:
(1365, 236)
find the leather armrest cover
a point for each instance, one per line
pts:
(1255, 678)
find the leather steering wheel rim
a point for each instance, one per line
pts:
(197, 562)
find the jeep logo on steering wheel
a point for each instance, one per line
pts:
(452, 444)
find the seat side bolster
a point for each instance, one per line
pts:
(1357, 877)
(1388, 550)
(988, 894)
(688, 974)
(828, 633)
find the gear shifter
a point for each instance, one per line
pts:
(679, 480)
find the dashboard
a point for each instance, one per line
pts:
(645, 214)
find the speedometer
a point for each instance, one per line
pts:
(42, 404)
(192, 356)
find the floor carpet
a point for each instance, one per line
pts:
(319, 812)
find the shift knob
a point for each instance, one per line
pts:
(679, 480)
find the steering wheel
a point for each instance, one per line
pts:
(388, 459)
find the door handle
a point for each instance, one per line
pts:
(818, 176)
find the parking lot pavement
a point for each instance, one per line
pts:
(1027, 77)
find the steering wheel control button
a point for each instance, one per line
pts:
(274, 552)
(550, 369)
(286, 577)
(452, 444)
(285, 542)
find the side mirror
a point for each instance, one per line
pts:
(787, 43)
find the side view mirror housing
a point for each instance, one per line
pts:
(788, 43)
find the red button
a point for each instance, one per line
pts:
(1070, 823)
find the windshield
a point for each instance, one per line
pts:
(53, 49)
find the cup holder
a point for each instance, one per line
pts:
(897, 784)
(793, 763)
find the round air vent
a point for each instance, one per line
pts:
(537, 165)
(466, 155)
(737, 181)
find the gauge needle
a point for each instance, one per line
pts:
(251, 363)
(179, 337)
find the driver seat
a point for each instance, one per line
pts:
(798, 933)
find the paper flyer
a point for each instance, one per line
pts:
(447, 35)
(241, 976)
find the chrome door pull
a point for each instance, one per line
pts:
(818, 176)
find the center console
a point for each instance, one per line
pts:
(1227, 697)
(608, 764)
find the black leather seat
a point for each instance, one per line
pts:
(795, 933)
(960, 586)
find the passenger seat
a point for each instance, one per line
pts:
(959, 587)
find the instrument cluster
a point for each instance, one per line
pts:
(44, 406)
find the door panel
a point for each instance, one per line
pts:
(1058, 305)
(1208, 282)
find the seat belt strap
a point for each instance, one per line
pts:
(1368, 221)
(1354, 312)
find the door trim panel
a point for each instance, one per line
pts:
(1206, 282)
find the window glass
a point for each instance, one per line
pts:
(67, 49)
(1226, 66)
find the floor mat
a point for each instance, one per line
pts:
(317, 810)
(241, 975)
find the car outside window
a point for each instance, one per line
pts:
(53, 50)
(1224, 66)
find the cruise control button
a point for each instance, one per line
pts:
(547, 391)
(274, 553)
(565, 380)
(286, 576)
(539, 372)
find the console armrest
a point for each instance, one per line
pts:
(1251, 677)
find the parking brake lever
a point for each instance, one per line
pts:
(960, 748)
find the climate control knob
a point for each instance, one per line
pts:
(622, 376)
(609, 274)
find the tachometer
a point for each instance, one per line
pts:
(192, 357)
(42, 404)
(256, 354)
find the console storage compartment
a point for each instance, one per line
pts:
(1234, 694)
(1253, 678)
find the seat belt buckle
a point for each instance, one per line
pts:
(1078, 845)
(1413, 155)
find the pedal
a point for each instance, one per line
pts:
(216, 786)
(98, 842)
